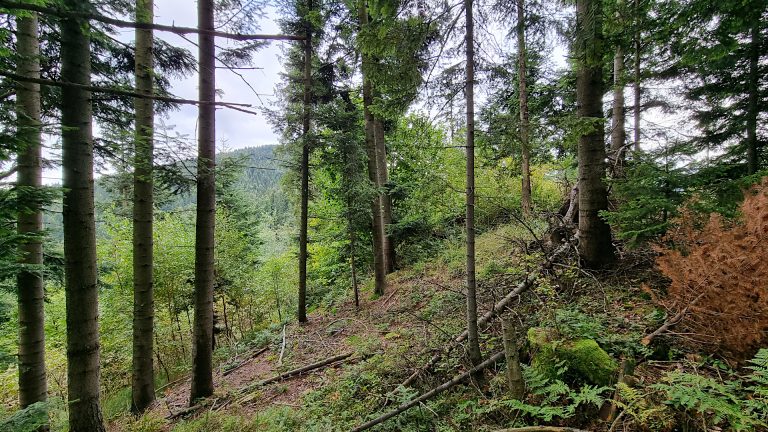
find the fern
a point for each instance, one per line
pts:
(757, 405)
(29, 419)
(554, 398)
(741, 405)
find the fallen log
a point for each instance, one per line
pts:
(488, 316)
(298, 371)
(435, 391)
(541, 429)
(245, 362)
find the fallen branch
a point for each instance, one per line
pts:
(434, 392)
(541, 429)
(245, 362)
(488, 316)
(192, 409)
(298, 371)
(669, 323)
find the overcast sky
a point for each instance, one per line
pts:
(233, 129)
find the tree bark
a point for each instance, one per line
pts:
(618, 131)
(31, 287)
(379, 254)
(595, 247)
(386, 199)
(637, 90)
(753, 109)
(143, 380)
(202, 345)
(524, 117)
(81, 288)
(302, 308)
(473, 348)
(514, 372)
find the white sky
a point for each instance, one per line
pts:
(233, 129)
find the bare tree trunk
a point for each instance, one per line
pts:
(637, 90)
(595, 247)
(379, 255)
(618, 131)
(143, 380)
(302, 309)
(386, 199)
(524, 120)
(473, 338)
(753, 159)
(82, 294)
(202, 345)
(31, 287)
(514, 372)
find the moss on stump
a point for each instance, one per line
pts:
(583, 358)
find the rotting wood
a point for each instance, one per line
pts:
(245, 362)
(486, 318)
(434, 392)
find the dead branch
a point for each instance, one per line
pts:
(60, 12)
(121, 92)
(245, 362)
(541, 429)
(298, 371)
(670, 322)
(435, 391)
(486, 318)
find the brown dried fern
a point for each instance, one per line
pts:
(719, 277)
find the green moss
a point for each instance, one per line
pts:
(578, 360)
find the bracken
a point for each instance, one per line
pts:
(719, 271)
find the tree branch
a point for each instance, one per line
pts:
(47, 10)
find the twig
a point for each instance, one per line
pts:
(669, 323)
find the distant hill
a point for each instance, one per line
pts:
(259, 179)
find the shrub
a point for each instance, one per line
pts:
(718, 272)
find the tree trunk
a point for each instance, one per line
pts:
(302, 309)
(143, 382)
(637, 90)
(618, 131)
(379, 255)
(31, 288)
(202, 344)
(473, 347)
(386, 199)
(595, 247)
(524, 120)
(514, 372)
(79, 228)
(753, 109)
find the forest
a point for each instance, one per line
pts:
(476, 215)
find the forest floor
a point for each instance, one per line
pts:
(423, 307)
(389, 337)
